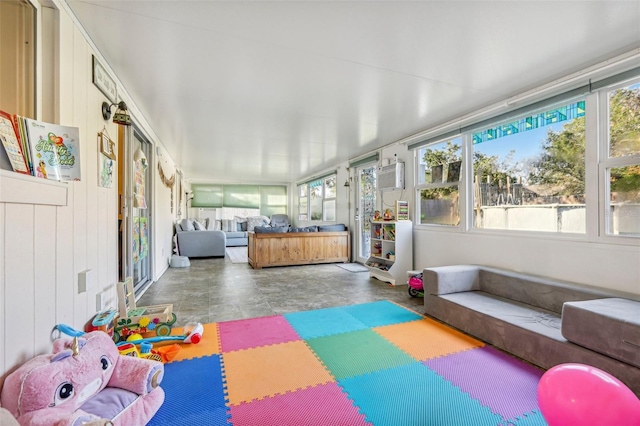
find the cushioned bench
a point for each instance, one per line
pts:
(546, 322)
(608, 326)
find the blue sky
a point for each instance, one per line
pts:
(526, 144)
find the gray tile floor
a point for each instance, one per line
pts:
(214, 289)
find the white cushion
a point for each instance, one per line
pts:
(187, 225)
(253, 221)
(199, 226)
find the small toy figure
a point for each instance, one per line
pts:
(84, 380)
(376, 215)
(388, 215)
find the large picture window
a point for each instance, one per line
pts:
(622, 162)
(317, 199)
(529, 174)
(566, 165)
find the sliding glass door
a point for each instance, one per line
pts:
(366, 199)
(135, 213)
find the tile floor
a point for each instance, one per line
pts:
(214, 289)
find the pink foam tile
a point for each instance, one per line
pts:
(255, 332)
(320, 405)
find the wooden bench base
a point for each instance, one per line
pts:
(298, 248)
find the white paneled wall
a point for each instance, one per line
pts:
(50, 232)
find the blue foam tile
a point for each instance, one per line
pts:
(323, 322)
(195, 393)
(376, 314)
(414, 395)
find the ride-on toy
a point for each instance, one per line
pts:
(133, 319)
(414, 283)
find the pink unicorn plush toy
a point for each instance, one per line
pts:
(84, 380)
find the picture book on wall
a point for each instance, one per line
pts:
(12, 145)
(54, 150)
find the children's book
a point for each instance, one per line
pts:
(12, 145)
(55, 150)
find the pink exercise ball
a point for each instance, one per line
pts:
(578, 394)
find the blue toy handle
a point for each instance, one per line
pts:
(68, 330)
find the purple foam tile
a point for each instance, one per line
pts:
(503, 383)
(320, 405)
(255, 332)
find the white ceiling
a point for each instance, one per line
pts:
(263, 91)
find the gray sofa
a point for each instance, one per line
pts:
(194, 240)
(543, 321)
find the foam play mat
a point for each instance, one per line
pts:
(369, 364)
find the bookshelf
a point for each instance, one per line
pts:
(391, 251)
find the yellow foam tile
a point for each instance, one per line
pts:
(425, 338)
(271, 370)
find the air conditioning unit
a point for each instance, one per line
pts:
(391, 177)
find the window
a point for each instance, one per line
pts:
(329, 200)
(273, 200)
(317, 199)
(439, 169)
(622, 162)
(303, 202)
(241, 200)
(529, 174)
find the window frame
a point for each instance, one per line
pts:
(323, 198)
(461, 184)
(607, 162)
(597, 161)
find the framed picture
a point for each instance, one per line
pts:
(103, 81)
(107, 146)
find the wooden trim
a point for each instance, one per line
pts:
(298, 248)
(21, 189)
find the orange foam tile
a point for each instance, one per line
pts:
(272, 370)
(425, 339)
(208, 345)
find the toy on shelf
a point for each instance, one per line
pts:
(133, 319)
(387, 215)
(84, 380)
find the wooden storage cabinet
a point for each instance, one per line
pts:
(298, 248)
(391, 251)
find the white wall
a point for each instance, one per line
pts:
(45, 244)
(50, 232)
(603, 265)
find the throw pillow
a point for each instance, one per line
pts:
(270, 230)
(187, 225)
(229, 225)
(253, 221)
(332, 228)
(199, 226)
